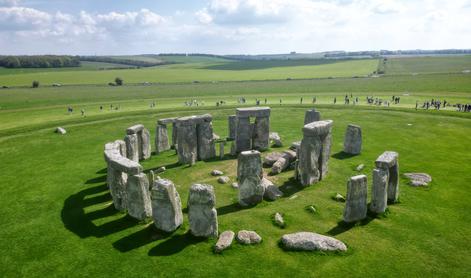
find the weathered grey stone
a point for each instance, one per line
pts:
(314, 152)
(418, 179)
(311, 116)
(151, 177)
(132, 149)
(390, 161)
(261, 133)
(248, 237)
(116, 181)
(243, 135)
(146, 145)
(235, 185)
(295, 145)
(186, 140)
(271, 158)
(161, 139)
(249, 175)
(60, 130)
(138, 197)
(279, 221)
(271, 191)
(353, 140)
(339, 198)
(166, 206)
(379, 191)
(216, 137)
(283, 162)
(161, 169)
(206, 143)
(233, 148)
(231, 123)
(166, 121)
(221, 150)
(224, 241)
(114, 159)
(174, 134)
(223, 179)
(356, 203)
(276, 139)
(134, 129)
(253, 112)
(360, 167)
(306, 241)
(217, 173)
(121, 147)
(201, 212)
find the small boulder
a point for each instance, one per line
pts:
(418, 179)
(339, 198)
(276, 139)
(311, 209)
(306, 241)
(248, 237)
(295, 145)
(360, 167)
(271, 158)
(224, 241)
(60, 130)
(271, 191)
(160, 170)
(216, 173)
(235, 185)
(223, 180)
(279, 221)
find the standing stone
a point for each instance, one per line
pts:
(166, 206)
(243, 134)
(221, 150)
(146, 145)
(206, 144)
(231, 123)
(174, 134)
(356, 203)
(138, 197)
(250, 175)
(201, 212)
(261, 136)
(379, 192)
(353, 140)
(161, 139)
(390, 161)
(132, 149)
(116, 181)
(314, 151)
(311, 116)
(186, 140)
(121, 147)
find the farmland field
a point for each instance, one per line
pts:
(434, 64)
(57, 214)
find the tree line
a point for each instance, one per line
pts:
(39, 61)
(122, 61)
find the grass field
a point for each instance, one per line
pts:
(58, 219)
(189, 72)
(434, 64)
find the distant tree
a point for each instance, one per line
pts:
(35, 84)
(118, 81)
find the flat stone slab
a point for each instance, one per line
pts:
(387, 159)
(248, 237)
(134, 129)
(224, 241)
(418, 179)
(166, 121)
(271, 191)
(253, 112)
(121, 163)
(319, 128)
(60, 130)
(216, 173)
(307, 241)
(271, 158)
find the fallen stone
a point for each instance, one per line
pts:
(360, 167)
(276, 139)
(223, 179)
(271, 191)
(295, 145)
(311, 209)
(271, 158)
(235, 185)
(224, 241)
(60, 130)
(307, 241)
(279, 221)
(418, 179)
(248, 237)
(216, 173)
(160, 170)
(339, 198)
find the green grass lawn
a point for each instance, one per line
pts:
(433, 64)
(58, 218)
(189, 72)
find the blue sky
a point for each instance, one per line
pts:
(230, 26)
